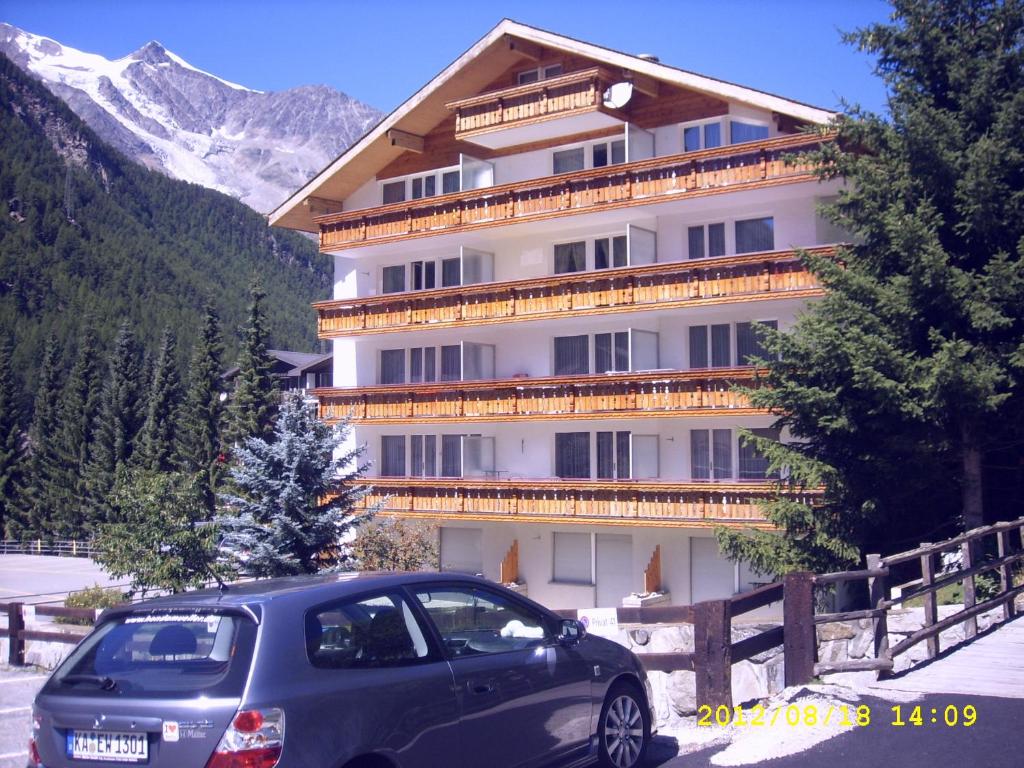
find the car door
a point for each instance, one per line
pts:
(524, 698)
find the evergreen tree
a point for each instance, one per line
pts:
(904, 384)
(117, 423)
(295, 501)
(199, 447)
(12, 452)
(40, 492)
(78, 413)
(255, 400)
(157, 440)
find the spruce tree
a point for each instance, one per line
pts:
(255, 400)
(12, 451)
(201, 423)
(117, 423)
(904, 385)
(78, 413)
(295, 501)
(157, 439)
(42, 472)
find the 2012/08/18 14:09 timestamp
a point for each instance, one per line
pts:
(812, 715)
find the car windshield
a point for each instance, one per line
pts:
(172, 655)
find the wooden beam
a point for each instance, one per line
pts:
(524, 47)
(646, 85)
(405, 140)
(321, 206)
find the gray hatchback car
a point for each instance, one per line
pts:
(339, 671)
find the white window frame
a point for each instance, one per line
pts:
(437, 173)
(749, 121)
(722, 128)
(593, 560)
(541, 72)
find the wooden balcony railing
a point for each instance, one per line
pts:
(633, 395)
(572, 94)
(751, 165)
(749, 277)
(650, 502)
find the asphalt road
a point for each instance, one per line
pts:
(17, 689)
(996, 740)
(41, 579)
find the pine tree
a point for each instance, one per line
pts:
(12, 451)
(201, 422)
(117, 423)
(905, 385)
(78, 412)
(255, 400)
(295, 501)
(157, 439)
(41, 474)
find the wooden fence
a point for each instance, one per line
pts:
(57, 547)
(19, 635)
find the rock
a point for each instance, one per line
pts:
(832, 651)
(905, 621)
(775, 675)
(749, 682)
(861, 644)
(836, 630)
(682, 692)
(671, 639)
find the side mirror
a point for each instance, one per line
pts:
(570, 632)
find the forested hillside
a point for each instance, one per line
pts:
(88, 236)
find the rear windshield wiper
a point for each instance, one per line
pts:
(105, 683)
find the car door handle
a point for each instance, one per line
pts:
(481, 688)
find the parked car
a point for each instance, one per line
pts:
(343, 670)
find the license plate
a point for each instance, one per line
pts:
(109, 746)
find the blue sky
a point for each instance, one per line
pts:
(381, 52)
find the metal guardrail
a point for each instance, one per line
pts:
(53, 547)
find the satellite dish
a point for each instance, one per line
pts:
(618, 95)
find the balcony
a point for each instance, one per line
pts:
(620, 502)
(752, 165)
(525, 113)
(750, 277)
(621, 395)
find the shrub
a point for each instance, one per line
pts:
(90, 597)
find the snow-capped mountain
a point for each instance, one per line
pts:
(163, 112)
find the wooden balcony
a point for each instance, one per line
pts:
(750, 277)
(752, 165)
(622, 502)
(577, 95)
(622, 395)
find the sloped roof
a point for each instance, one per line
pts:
(430, 99)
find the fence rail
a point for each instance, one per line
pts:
(57, 547)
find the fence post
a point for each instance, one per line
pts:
(712, 647)
(970, 591)
(931, 600)
(800, 641)
(876, 597)
(1006, 576)
(15, 624)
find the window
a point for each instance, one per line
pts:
(540, 73)
(449, 182)
(572, 454)
(393, 279)
(451, 455)
(720, 348)
(706, 240)
(379, 631)
(570, 257)
(752, 463)
(572, 355)
(613, 455)
(474, 621)
(610, 252)
(611, 352)
(704, 136)
(423, 275)
(393, 192)
(753, 235)
(740, 132)
(748, 342)
(392, 456)
(567, 160)
(392, 366)
(424, 455)
(711, 454)
(462, 550)
(424, 186)
(422, 365)
(451, 272)
(451, 362)
(573, 561)
(610, 153)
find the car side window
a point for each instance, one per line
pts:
(474, 621)
(372, 632)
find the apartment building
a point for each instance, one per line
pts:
(550, 266)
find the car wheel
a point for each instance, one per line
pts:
(624, 728)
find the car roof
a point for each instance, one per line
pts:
(308, 588)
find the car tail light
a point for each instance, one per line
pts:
(33, 749)
(254, 739)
